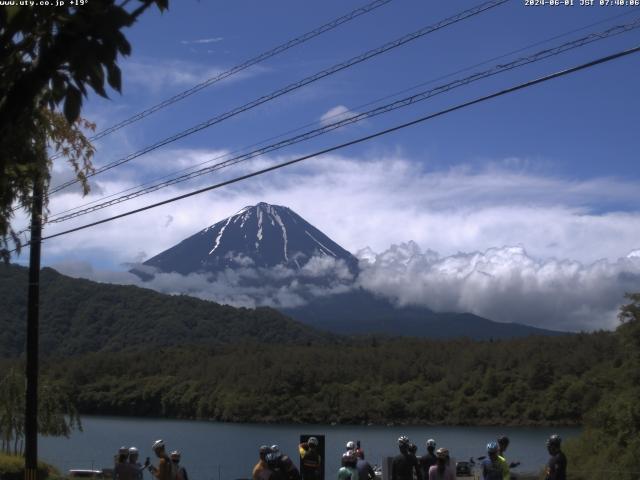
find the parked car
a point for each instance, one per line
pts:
(463, 469)
(81, 473)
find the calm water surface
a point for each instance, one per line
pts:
(225, 451)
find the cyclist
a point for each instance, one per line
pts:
(405, 463)
(493, 468)
(310, 460)
(557, 464)
(164, 470)
(503, 444)
(365, 470)
(441, 470)
(348, 470)
(261, 470)
(428, 460)
(179, 470)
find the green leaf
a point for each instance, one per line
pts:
(72, 104)
(114, 76)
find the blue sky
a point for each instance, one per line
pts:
(551, 170)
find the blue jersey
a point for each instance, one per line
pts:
(492, 470)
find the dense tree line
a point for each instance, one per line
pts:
(538, 380)
(79, 316)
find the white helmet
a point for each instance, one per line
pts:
(133, 451)
(351, 445)
(175, 455)
(431, 443)
(157, 445)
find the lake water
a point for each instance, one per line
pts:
(224, 451)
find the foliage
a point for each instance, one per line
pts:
(612, 429)
(12, 468)
(51, 57)
(79, 316)
(57, 414)
(406, 381)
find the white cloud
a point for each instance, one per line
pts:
(202, 41)
(505, 284)
(158, 75)
(336, 114)
(375, 202)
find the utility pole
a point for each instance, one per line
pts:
(33, 300)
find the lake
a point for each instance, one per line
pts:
(224, 451)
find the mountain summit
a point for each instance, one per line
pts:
(259, 236)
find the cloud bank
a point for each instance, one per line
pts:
(503, 284)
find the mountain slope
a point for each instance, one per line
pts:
(261, 236)
(78, 316)
(361, 312)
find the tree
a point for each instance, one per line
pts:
(51, 58)
(57, 414)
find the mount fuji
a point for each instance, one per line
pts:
(259, 236)
(273, 255)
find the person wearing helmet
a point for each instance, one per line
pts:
(261, 470)
(135, 469)
(493, 468)
(441, 470)
(404, 464)
(274, 466)
(348, 470)
(121, 469)
(351, 445)
(310, 460)
(178, 470)
(164, 470)
(365, 470)
(428, 460)
(557, 464)
(288, 467)
(503, 444)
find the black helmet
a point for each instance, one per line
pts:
(503, 440)
(403, 441)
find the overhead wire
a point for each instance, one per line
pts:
(356, 108)
(291, 87)
(401, 103)
(243, 66)
(528, 84)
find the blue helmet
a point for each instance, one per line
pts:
(492, 447)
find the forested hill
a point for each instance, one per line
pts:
(78, 316)
(537, 380)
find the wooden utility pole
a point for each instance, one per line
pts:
(33, 300)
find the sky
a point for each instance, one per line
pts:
(522, 208)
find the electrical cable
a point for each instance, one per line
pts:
(421, 96)
(243, 66)
(291, 87)
(357, 108)
(460, 106)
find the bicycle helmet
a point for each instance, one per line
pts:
(554, 441)
(492, 447)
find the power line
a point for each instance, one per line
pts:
(293, 86)
(243, 66)
(407, 101)
(357, 108)
(460, 106)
